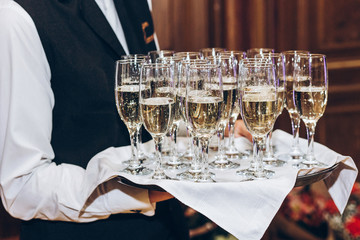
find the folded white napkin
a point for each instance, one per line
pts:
(245, 209)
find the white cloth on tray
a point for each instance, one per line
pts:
(245, 209)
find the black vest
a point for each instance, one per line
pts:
(81, 49)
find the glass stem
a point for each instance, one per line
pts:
(269, 147)
(231, 133)
(220, 157)
(195, 164)
(190, 140)
(259, 144)
(310, 130)
(158, 144)
(204, 142)
(295, 124)
(138, 139)
(173, 136)
(134, 162)
(222, 138)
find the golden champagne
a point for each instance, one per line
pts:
(310, 102)
(204, 114)
(157, 114)
(259, 112)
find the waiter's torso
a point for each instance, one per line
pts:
(81, 49)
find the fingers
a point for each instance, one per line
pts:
(157, 196)
(241, 131)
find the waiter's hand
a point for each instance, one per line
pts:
(241, 131)
(157, 196)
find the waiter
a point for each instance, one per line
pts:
(57, 111)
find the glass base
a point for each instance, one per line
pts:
(195, 175)
(140, 171)
(187, 176)
(265, 174)
(245, 174)
(273, 161)
(237, 155)
(158, 175)
(306, 164)
(176, 165)
(223, 164)
(208, 177)
(141, 160)
(291, 157)
(233, 153)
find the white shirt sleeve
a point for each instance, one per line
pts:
(31, 185)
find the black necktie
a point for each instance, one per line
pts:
(131, 26)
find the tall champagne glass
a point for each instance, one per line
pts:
(142, 156)
(258, 99)
(229, 73)
(290, 58)
(278, 61)
(157, 106)
(127, 89)
(310, 96)
(204, 106)
(175, 158)
(192, 151)
(231, 151)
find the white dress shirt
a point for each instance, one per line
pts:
(31, 185)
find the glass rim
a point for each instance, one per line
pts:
(261, 65)
(193, 61)
(170, 58)
(233, 51)
(212, 49)
(251, 59)
(131, 60)
(156, 65)
(260, 48)
(295, 52)
(312, 55)
(270, 54)
(204, 65)
(255, 60)
(186, 53)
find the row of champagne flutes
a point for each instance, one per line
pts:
(207, 90)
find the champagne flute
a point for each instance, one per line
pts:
(231, 151)
(310, 96)
(252, 52)
(204, 106)
(157, 106)
(290, 58)
(258, 88)
(142, 156)
(127, 103)
(175, 158)
(277, 60)
(192, 151)
(229, 73)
